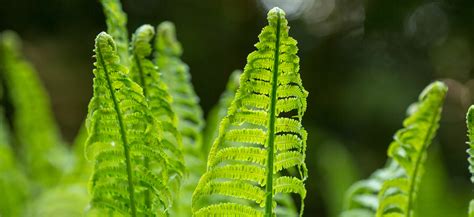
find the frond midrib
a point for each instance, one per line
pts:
(411, 190)
(123, 135)
(271, 127)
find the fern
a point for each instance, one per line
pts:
(13, 183)
(470, 151)
(130, 171)
(116, 21)
(409, 150)
(175, 75)
(35, 132)
(219, 111)
(261, 140)
(144, 72)
(391, 191)
(362, 197)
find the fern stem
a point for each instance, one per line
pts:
(411, 191)
(145, 93)
(271, 127)
(124, 137)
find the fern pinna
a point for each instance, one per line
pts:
(470, 151)
(396, 185)
(130, 172)
(260, 151)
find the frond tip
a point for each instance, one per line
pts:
(259, 154)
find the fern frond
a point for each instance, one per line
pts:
(175, 75)
(13, 183)
(34, 128)
(409, 150)
(362, 197)
(116, 20)
(219, 111)
(470, 151)
(145, 73)
(130, 167)
(64, 200)
(261, 141)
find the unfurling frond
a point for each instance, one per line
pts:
(409, 150)
(219, 111)
(175, 75)
(145, 73)
(116, 21)
(34, 128)
(470, 151)
(130, 167)
(259, 154)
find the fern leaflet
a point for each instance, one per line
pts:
(261, 140)
(219, 111)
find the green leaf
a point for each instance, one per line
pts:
(145, 73)
(362, 197)
(261, 141)
(35, 132)
(219, 111)
(13, 183)
(116, 21)
(130, 167)
(470, 151)
(391, 191)
(409, 149)
(185, 103)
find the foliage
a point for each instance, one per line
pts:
(470, 151)
(35, 133)
(391, 191)
(219, 111)
(261, 140)
(185, 103)
(130, 173)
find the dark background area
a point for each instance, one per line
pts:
(362, 61)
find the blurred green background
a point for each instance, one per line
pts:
(363, 62)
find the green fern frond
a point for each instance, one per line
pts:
(130, 171)
(13, 183)
(219, 111)
(64, 200)
(470, 151)
(116, 20)
(362, 197)
(175, 75)
(145, 73)
(409, 150)
(261, 142)
(34, 128)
